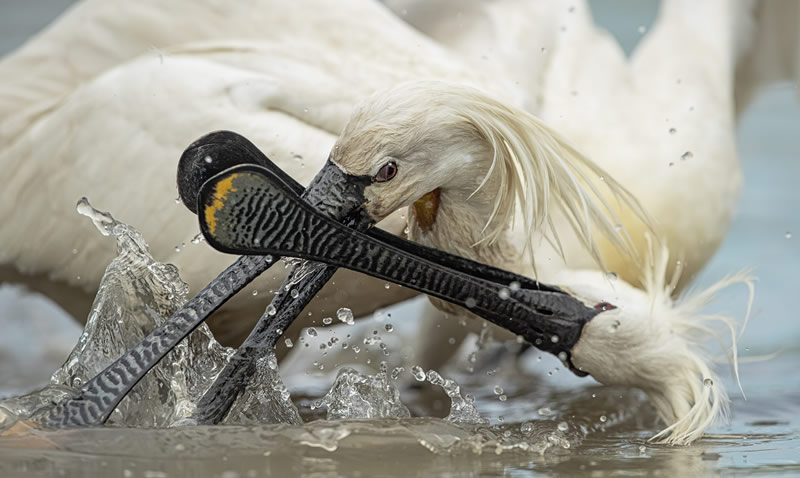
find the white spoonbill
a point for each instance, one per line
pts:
(473, 167)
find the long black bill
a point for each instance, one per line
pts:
(334, 195)
(249, 210)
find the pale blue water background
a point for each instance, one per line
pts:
(769, 139)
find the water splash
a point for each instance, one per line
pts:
(265, 400)
(358, 396)
(462, 410)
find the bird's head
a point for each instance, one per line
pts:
(656, 343)
(418, 139)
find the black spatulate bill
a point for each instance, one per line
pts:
(249, 210)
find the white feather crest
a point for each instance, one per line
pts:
(536, 170)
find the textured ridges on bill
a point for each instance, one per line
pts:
(300, 231)
(100, 396)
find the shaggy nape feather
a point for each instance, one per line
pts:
(533, 165)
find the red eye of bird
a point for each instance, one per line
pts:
(604, 306)
(387, 172)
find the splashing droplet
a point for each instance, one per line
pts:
(312, 331)
(418, 373)
(327, 321)
(603, 418)
(288, 343)
(545, 411)
(345, 315)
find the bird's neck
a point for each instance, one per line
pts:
(452, 221)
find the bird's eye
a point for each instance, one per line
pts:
(387, 172)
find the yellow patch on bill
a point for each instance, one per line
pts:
(221, 191)
(426, 208)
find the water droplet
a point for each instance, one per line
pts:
(177, 249)
(312, 331)
(545, 411)
(271, 310)
(687, 155)
(498, 390)
(594, 395)
(294, 293)
(526, 428)
(75, 251)
(418, 373)
(603, 418)
(208, 159)
(356, 349)
(470, 303)
(708, 382)
(642, 448)
(612, 276)
(562, 426)
(272, 362)
(562, 356)
(387, 286)
(504, 293)
(288, 342)
(514, 286)
(327, 321)
(554, 339)
(451, 340)
(345, 315)
(389, 328)
(671, 164)
(502, 398)
(255, 292)
(197, 239)
(642, 29)
(673, 131)
(788, 235)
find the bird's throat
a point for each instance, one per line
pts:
(426, 208)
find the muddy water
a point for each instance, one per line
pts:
(607, 428)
